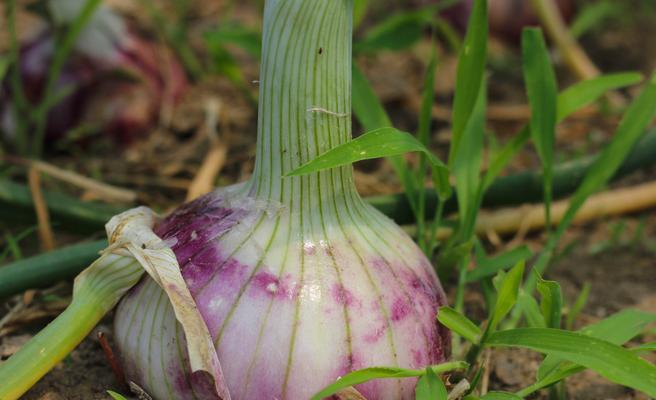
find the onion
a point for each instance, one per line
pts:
(120, 80)
(297, 279)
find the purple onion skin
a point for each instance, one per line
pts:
(289, 310)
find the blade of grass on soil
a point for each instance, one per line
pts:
(542, 91)
(611, 361)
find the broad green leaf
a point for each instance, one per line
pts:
(466, 167)
(382, 142)
(235, 34)
(397, 32)
(531, 310)
(116, 396)
(500, 396)
(368, 374)
(585, 92)
(613, 362)
(430, 387)
(487, 267)
(576, 308)
(551, 302)
(469, 76)
(542, 91)
(459, 324)
(507, 294)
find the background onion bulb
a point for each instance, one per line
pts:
(119, 80)
(298, 280)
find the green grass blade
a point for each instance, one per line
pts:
(531, 309)
(382, 142)
(366, 106)
(578, 305)
(507, 294)
(647, 347)
(4, 67)
(236, 34)
(423, 135)
(551, 303)
(116, 396)
(542, 91)
(469, 77)
(397, 32)
(370, 113)
(638, 116)
(586, 92)
(613, 362)
(618, 329)
(466, 167)
(458, 323)
(569, 100)
(430, 387)
(359, 11)
(593, 15)
(504, 156)
(487, 267)
(427, 95)
(500, 396)
(367, 374)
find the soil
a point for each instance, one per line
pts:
(616, 257)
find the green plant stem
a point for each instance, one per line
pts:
(435, 224)
(44, 269)
(460, 295)
(16, 206)
(92, 299)
(62, 51)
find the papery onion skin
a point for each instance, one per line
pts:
(288, 316)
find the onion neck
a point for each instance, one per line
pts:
(305, 100)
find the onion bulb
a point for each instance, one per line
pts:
(297, 279)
